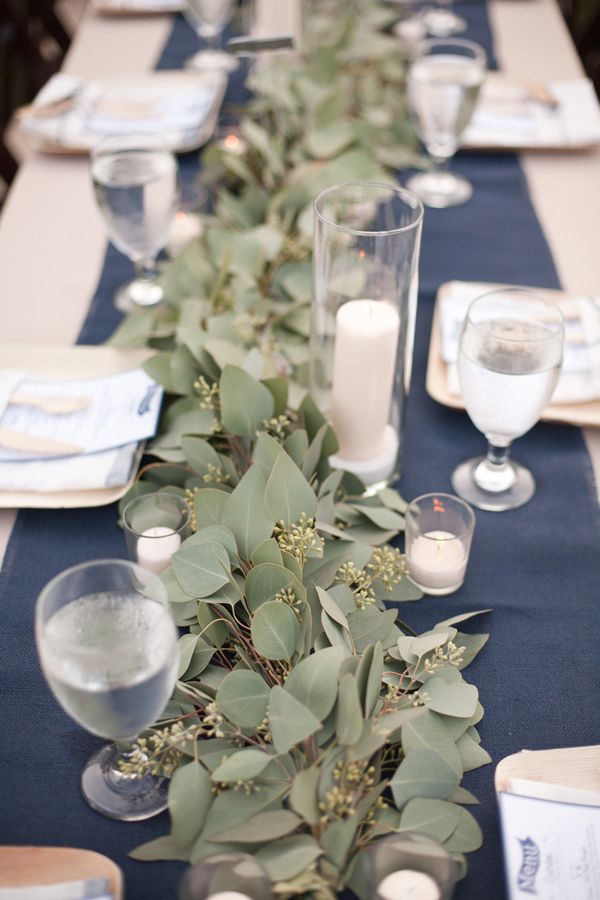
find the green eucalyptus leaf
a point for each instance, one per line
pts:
(275, 630)
(159, 848)
(467, 836)
(314, 680)
(242, 766)
(456, 698)
(201, 569)
(190, 798)
(435, 818)
(267, 579)
(200, 454)
(471, 754)
(349, 720)
(245, 403)
(231, 808)
(243, 698)
(423, 773)
(370, 625)
(290, 721)
(288, 494)
(427, 731)
(287, 858)
(261, 828)
(246, 515)
(304, 798)
(267, 552)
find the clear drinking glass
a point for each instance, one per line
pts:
(108, 648)
(444, 79)
(226, 876)
(155, 526)
(136, 186)
(208, 18)
(408, 865)
(510, 354)
(365, 267)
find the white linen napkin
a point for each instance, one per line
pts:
(579, 380)
(86, 472)
(507, 115)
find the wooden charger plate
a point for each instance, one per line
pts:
(584, 415)
(33, 866)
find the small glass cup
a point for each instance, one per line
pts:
(407, 865)
(230, 876)
(155, 526)
(438, 531)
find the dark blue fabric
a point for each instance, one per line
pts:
(537, 566)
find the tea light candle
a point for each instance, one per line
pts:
(155, 548)
(364, 367)
(437, 562)
(408, 884)
(229, 895)
(185, 228)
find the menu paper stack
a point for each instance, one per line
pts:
(120, 412)
(75, 113)
(579, 380)
(514, 114)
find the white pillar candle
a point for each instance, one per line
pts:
(437, 561)
(185, 228)
(364, 366)
(408, 884)
(155, 548)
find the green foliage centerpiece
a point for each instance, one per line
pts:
(307, 720)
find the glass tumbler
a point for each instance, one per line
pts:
(155, 526)
(438, 533)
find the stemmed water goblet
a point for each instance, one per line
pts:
(209, 18)
(444, 79)
(107, 644)
(136, 185)
(510, 354)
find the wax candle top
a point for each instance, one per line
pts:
(229, 895)
(368, 318)
(438, 551)
(408, 884)
(156, 546)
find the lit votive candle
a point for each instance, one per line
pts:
(408, 884)
(186, 227)
(439, 530)
(156, 546)
(229, 895)
(364, 368)
(233, 143)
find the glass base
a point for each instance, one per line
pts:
(443, 22)
(516, 494)
(440, 189)
(437, 591)
(118, 796)
(212, 59)
(138, 294)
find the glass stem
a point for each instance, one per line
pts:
(494, 473)
(146, 270)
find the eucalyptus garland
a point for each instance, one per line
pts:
(308, 720)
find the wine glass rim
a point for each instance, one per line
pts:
(411, 200)
(88, 564)
(551, 327)
(411, 511)
(479, 52)
(136, 501)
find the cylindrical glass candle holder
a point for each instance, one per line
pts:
(438, 533)
(365, 265)
(226, 876)
(409, 865)
(155, 526)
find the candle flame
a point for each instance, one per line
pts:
(438, 505)
(231, 141)
(361, 254)
(180, 217)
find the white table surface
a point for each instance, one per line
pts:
(52, 240)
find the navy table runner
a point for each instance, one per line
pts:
(537, 567)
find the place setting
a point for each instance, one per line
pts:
(311, 646)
